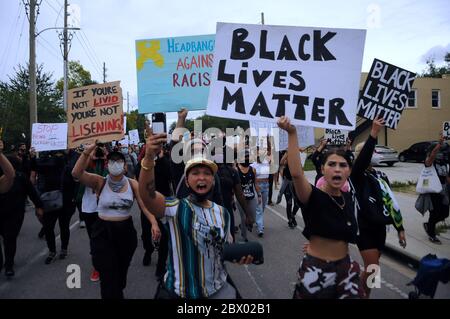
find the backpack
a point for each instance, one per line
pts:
(371, 204)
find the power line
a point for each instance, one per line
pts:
(57, 56)
(51, 6)
(88, 55)
(7, 50)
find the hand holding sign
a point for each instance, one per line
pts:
(285, 124)
(376, 127)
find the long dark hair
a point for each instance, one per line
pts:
(338, 152)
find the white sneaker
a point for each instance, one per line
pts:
(82, 224)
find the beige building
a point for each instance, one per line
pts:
(427, 108)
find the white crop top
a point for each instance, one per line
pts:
(89, 201)
(262, 169)
(111, 204)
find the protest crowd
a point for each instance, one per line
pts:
(199, 196)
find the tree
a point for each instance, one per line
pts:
(76, 77)
(433, 71)
(14, 104)
(136, 121)
(212, 121)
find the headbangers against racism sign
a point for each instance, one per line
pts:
(311, 75)
(95, 112)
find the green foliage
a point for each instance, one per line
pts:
(212, 121)
(77, 77)
(434, 71)
(136, 121)
(14, 104)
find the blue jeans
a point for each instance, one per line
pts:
(264, 189)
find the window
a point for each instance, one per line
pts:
(435, 99)
(412, 98)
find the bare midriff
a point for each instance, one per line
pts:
(327, 249)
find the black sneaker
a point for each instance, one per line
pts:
(147, 260)
(260, 234)
(294, 222)
(291, 224)
(278, 200)
(63, 254)
(435, 240)
(51, 257)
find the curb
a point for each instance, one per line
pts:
(402, 256)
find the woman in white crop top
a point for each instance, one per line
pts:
(114, 238)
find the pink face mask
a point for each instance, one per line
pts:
(345, 188)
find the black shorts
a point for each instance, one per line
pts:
(371, 238)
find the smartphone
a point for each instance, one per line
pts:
(159, 123)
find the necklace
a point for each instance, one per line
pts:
(339, 205)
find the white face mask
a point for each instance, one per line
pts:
(115, 168)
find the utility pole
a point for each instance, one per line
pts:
(65, 54)
(128, 102)
(32, 66)
(104, 72)
(262, 18)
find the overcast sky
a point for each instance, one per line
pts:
(401, 32)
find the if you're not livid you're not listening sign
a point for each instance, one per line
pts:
(311, 75)
(95, 113)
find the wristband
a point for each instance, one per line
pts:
(145, 168)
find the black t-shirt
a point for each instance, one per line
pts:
(323, 217)
(49, 171)
(229, 177)
(247, 183)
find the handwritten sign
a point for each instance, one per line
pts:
(174, 72)
(95, 113)
(446, 130)
(336, 137)
(125, 141)
(385, 93)
(134, 137)
(49, 136)
(263, 72)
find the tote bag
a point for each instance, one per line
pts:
(428, 181)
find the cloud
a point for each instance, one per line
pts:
(437, 53)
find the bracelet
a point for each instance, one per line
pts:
(145, 168)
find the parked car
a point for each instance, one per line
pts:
(384, 155)
(416, 152)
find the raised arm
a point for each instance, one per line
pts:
(93, 181)
(302, 187)
(430, 158)
(364, 158)
(152, 200)
(6, 181)
(316, 156)
(180, 128)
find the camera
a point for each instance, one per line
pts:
(235, 252)
(99, 152)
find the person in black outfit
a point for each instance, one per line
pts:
(438, 156)
(289, 194)
(162, 185)
(13, 212)
(316, 159)
(52, 174)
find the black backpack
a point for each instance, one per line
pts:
(371, 206)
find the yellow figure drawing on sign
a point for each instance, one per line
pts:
(148, 50)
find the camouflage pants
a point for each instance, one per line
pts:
(319, 279)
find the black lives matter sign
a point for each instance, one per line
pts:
(385, 93)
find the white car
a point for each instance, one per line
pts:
(384, 155)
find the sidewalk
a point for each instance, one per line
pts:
(418, 244)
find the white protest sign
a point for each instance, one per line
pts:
(311, 75)
(49, 136)
(124, 124)
(134, 137)
(125, 141)
(303, 157)
(336, 137)
(446, 130)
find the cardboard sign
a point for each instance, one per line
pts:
(134, 137)
(385, 93)
(174, 72)
(311, 75)
(446, 130)
(49, 136)
(336, 137)
(95, 113)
